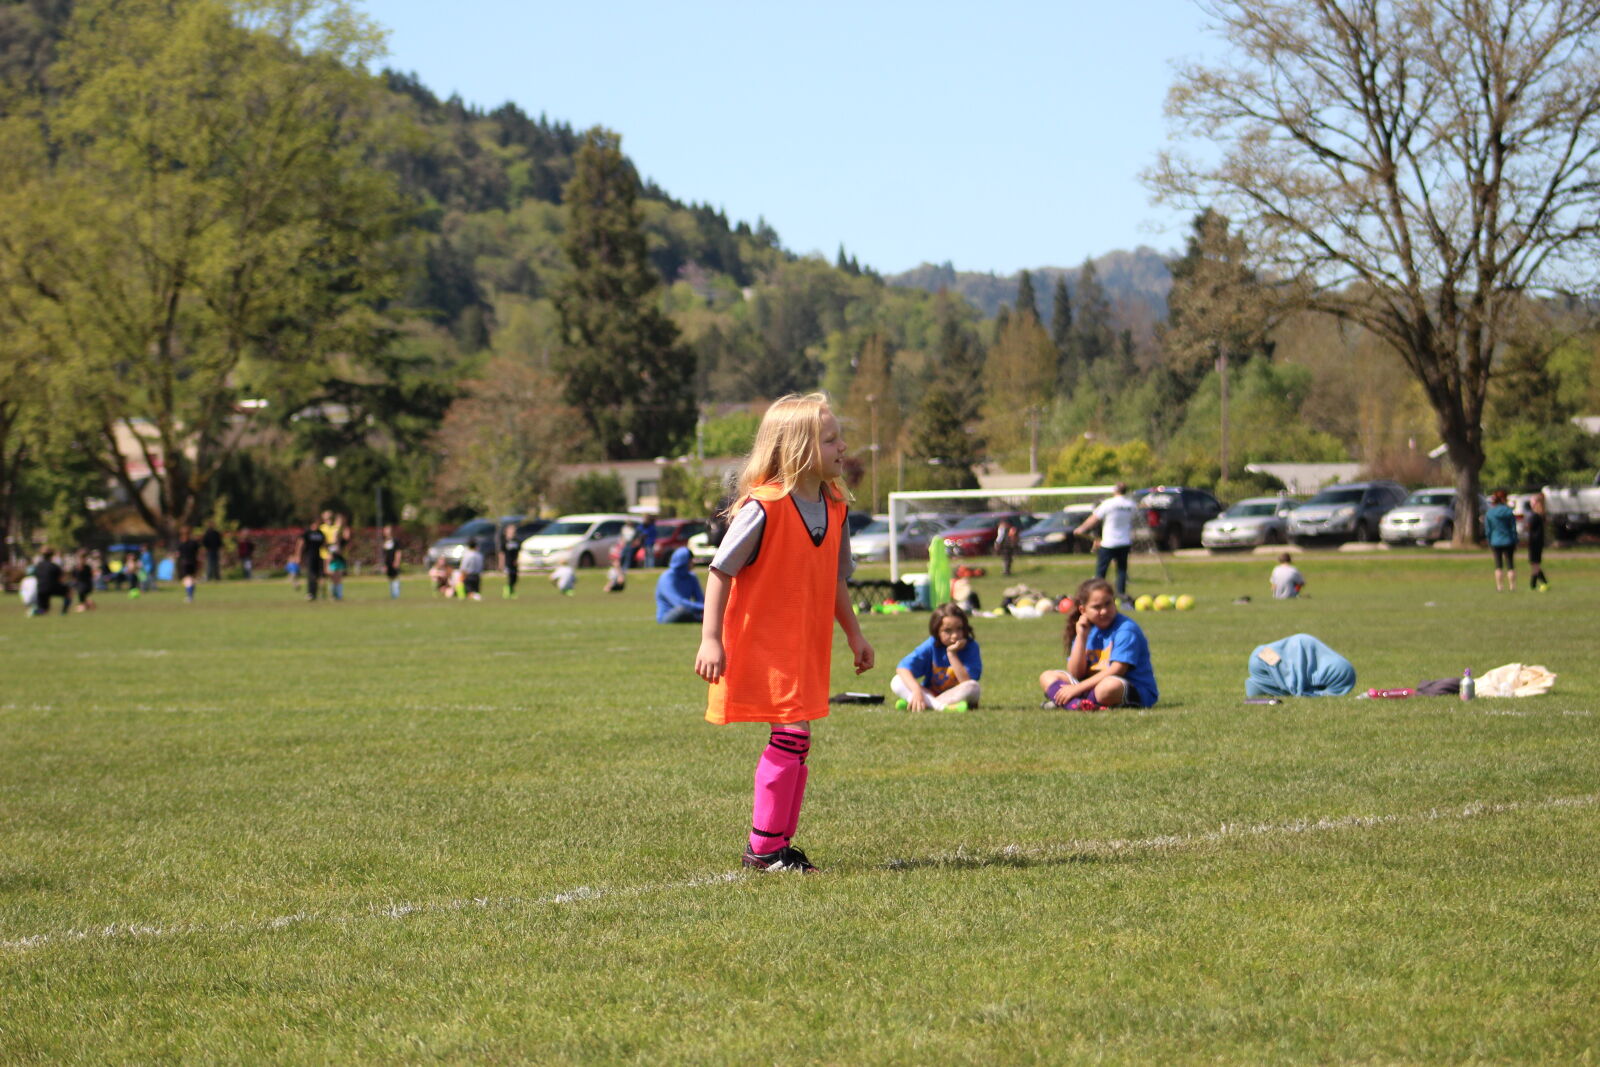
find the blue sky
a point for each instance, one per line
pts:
(997, 139)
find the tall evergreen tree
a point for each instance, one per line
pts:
(1093, 336)
(940, 450)
(626, 372)
(1027, 301)
(1061, 334)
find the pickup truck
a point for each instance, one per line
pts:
(1572, 511)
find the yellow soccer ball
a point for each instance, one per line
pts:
(1163, 602)
(1184, 602)
(1143, 603)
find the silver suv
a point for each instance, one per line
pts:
(1347, 512)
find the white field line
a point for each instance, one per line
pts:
(396, 910)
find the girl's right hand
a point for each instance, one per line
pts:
(1083, 625)
(711, 661)
(916, 702)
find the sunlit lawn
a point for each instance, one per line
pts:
(255, 829)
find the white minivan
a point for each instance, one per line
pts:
(579, 540)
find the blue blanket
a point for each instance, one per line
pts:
(1299, 666)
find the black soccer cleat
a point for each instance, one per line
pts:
(785, 859)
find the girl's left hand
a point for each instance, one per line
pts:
(865, 657)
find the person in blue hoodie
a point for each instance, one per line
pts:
(679, 597)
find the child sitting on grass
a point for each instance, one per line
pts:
(440, 575)
(1108, 658)
(1286, 579)
(943, 671)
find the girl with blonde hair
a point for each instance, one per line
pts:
(774, 591)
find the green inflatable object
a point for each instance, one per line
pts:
(938, 571)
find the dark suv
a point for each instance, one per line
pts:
(1346, 512)
(1173, 515)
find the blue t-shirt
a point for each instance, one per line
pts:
(1500, 524)
(929, 664)
(1123, 642)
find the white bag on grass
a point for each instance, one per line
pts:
(1516, 680)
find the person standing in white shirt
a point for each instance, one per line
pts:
(1114, 516)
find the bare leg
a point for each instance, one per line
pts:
(1111, 693)
(967, 691)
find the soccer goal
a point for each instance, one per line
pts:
(903, 505)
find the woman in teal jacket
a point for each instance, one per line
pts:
(1500, 527)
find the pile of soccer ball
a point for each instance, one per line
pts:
(1182, 602)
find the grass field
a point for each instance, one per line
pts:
(255, 829)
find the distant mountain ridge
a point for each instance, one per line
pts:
(1136, 282)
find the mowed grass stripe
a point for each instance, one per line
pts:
(1003, 856)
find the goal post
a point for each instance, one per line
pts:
(899, 505)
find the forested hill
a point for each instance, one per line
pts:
(1136, 283)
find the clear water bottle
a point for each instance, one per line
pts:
(1468, 689)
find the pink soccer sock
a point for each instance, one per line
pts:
(780, 781)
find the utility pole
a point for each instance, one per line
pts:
(872, 449)
(1222, 373)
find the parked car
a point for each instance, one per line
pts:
(855, 521)
(578, 540)
(701, 550)
(481, 532)
(1052, 534)
(1256, 520)
(671, 534)
(974, 535)
(1349, 511)
(1425, 516)
(912, 536)
(1175, 515)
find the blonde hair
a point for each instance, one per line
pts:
(788, 443)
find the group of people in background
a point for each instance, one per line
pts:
(324, 556)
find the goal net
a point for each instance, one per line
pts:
(903, 506)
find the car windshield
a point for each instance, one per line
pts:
(876, 526)
(475, 528)
(1338, 496)
(1056, 520)
(565, 529)
(1424, 498)
(1251, 511)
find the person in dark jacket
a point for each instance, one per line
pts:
(1536, 523)
(47, 572)
(211, 541)
(679, 596)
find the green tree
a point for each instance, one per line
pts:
(596, 491)
(1027, 301)
(1525, 456)
(503, 439)
(190, 220)
(872, 415)
(1019, 376)
(1090, 462)
(939, 447)
(1094, 336)
(731, 434)
(626, 372)
(1417, 169)
(1061, 335)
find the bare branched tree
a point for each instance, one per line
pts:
(1419, 167)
